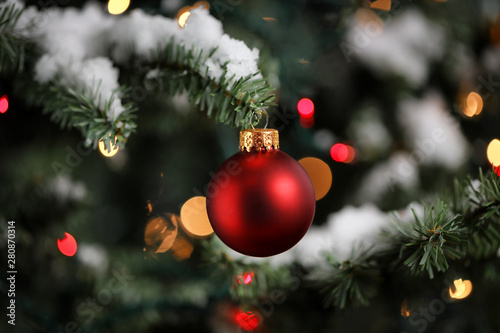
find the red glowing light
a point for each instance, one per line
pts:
(67, 245)
(497, 170)
(342, 153)
(4, 104)
(305, 107)
(245, 278)
(247, 320)
(306, 122)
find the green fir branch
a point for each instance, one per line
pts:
(430, 241)
(12, 44)
(353, 282)
(76, 109)
(229, 101)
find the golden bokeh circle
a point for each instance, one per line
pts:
(194, 217)
(320, 174)
(161, 232)
(108, 153)
(493, 152)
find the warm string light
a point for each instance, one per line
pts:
(108, 153)
(4, 104)
(117, 7)
(67, 245)
(493, 152)
(405, 311)
(381, 4)
(463, 288)
(245, 278)
(184, 13)
(472, 104)
(305, 107)
(194, 217)
(320, 174)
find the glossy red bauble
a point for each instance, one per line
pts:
(260, 203)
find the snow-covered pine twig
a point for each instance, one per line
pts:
(78, 73)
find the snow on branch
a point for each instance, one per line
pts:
(82, 51)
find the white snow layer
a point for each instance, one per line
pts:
(432, 133)
(406, 46)
(76, 45)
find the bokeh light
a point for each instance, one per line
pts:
(247, 320)
(183, 18)
(405, 312)
(108, 153)
(342, 153)
(381, 4)
(306, 122)
(4, 104)
(473, 104)
(182, 248)
(117, 7)
(320, 174)
(246, 278)
(305, 107)
(462, 289)
(161, 233)
(194, 217)
(497, 170)
(67, 245)
(184, 13)
(270, 19)
(493, 152)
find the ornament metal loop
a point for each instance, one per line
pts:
(260, 114)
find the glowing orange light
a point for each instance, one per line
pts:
(108, 153)
(182, 248)
(381, 4)
(247, 320)
(67, 245)
(160, 233)
(270, 19)
(320, 174)
(194, 217)
(493, 152)
(4, 104)
(117, 7)
(305, 107)
(306, 122)
(462, 289)
(183, 18)
(473, 104)
(405, 312)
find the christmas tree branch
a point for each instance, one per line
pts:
(12, 45)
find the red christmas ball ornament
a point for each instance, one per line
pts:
(260, 201)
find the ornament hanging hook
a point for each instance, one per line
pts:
(259, 111)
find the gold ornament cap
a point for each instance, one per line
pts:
(258, 138)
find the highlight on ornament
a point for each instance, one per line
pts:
(493, 152)
(194, 217)
(117, 7)
(4, 104)
(472, 105)
(461, 290)
(305, 107)
(320, 174)
(108, 153)
(160, 233)
(247, 320)
(342, 153)
(67, 245)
